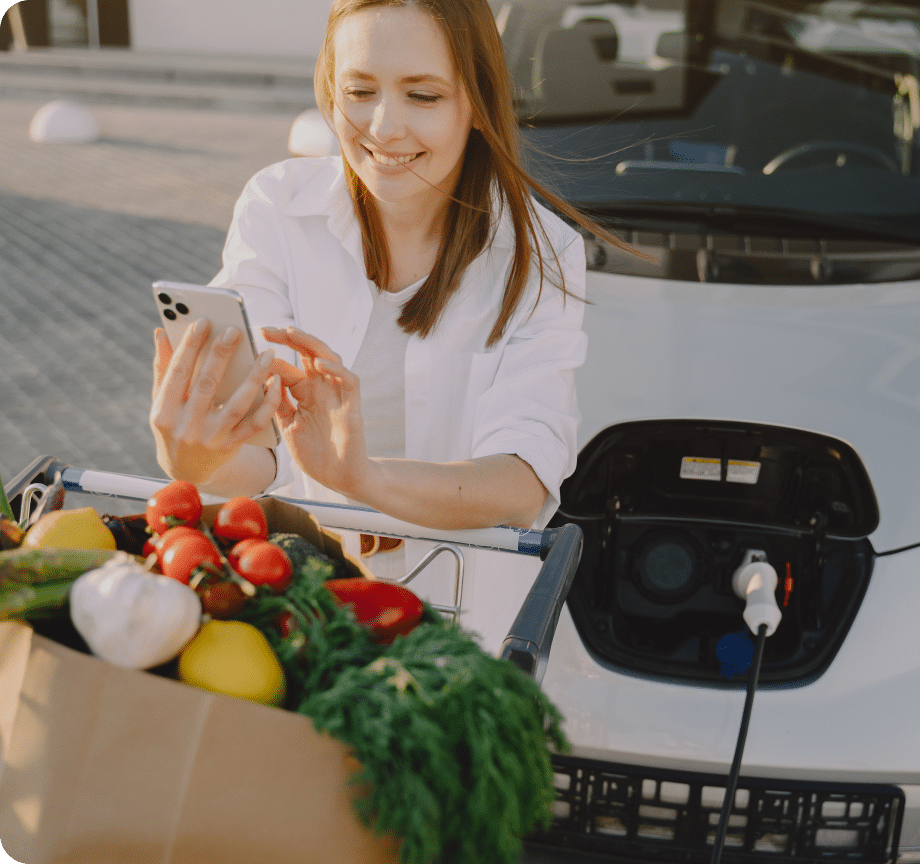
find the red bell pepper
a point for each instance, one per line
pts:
(387, 610)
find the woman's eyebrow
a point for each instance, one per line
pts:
(357, 74)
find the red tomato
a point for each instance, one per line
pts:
(286, 624)
(239, 519)
(262, 563)
(222, 599)
(388, 610)
(163, 541)
(177, 503)
(187, 554)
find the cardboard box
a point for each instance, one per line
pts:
(103, 765)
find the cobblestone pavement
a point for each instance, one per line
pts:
(84, 230)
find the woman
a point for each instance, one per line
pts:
(435, 307)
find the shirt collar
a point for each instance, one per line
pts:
(326, 194)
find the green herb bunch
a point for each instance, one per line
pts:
(453, 744)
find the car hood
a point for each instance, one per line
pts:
(842, 360)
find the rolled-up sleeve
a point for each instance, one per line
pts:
(531, 409)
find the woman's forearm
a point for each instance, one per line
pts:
(477, 493)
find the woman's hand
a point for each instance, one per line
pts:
(325, 435)
(195, 437)
(324, 431)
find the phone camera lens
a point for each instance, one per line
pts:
(168, 313)
(164, 298)
(181, 308)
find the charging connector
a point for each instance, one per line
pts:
(755, 582)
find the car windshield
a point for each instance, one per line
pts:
(779, 107)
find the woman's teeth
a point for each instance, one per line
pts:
(392, 161)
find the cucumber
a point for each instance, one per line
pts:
(36, 582)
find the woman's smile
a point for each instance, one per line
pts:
(391, 160)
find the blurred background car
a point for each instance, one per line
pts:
(753, 388)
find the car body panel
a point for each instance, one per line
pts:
(842, 360)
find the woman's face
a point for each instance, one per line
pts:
(399, 105)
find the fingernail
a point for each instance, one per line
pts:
(200, 326)
(270, 330)
(266, 357)
(230, 335)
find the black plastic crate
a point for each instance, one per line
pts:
(636, 813)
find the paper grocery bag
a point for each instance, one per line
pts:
(103, 765)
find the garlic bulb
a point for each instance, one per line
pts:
(131, 617)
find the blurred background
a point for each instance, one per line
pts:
(190, 98)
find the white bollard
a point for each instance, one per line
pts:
(63, 122)
(311, 136)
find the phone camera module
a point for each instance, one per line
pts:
(164, 298)
(168, 313)
(181, 308)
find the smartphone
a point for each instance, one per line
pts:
(181, 304)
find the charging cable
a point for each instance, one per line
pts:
(754, 582)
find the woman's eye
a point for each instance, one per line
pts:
(353, 93)
(424, 98)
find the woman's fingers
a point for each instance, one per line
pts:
(235, 409)
(213, 366)
(178, 376)
(161, 357)
(303, 343)
(289, 374)
(262, 416)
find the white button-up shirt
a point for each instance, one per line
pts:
(294, 253)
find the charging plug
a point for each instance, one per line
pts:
(755, 582)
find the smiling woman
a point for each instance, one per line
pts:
(433, 306)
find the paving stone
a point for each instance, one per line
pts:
(84, 230)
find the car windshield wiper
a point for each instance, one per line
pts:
(758, 220)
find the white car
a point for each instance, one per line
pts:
(752, 393)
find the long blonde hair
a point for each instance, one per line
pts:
(491, 163)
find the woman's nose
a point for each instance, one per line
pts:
(387, 123)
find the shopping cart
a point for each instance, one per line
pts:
(529, 640)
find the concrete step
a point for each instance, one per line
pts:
(126, 77)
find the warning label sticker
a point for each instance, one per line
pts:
(699, 468)
(695, 468)
(742, 472)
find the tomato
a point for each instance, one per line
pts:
(163, 541)
(177, 503)
(222, 600)
(286, 624)
(262, 563)
(388, 610)
(239, 519)
(188, 555)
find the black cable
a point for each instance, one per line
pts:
(739, 747)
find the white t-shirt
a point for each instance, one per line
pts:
(381, 369)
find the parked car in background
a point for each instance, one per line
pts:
(753, 388)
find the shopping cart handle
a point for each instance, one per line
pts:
(528, 643)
